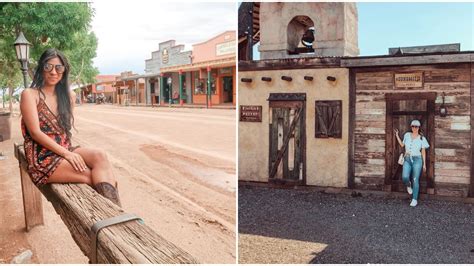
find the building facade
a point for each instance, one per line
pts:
(104, 85)
(211, 73)
(310, 119)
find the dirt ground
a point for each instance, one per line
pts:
(304, 226)
(176, 170)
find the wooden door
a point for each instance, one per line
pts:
(401, 110)
(287, 142)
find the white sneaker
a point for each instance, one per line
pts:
(414, 202)
(409, 190)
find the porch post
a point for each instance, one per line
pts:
(162, 85)
(180, 77)
(136, 92)
(209, 95)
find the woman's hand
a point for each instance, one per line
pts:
(424, 168)
(76, 161)
(396, 132)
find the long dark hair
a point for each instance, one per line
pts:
(65, 116)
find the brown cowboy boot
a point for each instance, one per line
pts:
(108, 191)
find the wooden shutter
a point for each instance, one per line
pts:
(328, 117)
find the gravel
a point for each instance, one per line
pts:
(361, 229)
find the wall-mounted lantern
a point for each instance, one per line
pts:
(246, 80)
(331, 78)
(443, 110)
(267, 79)
(308, 78)
(286, 78)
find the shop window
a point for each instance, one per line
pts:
(328, 119)
(200, 84)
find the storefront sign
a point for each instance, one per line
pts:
(412, 80)
(251, 113)
(165, 56)
(225, 70)
(225, 48)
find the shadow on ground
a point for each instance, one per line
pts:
(366, 229)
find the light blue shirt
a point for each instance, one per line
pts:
(414, 146)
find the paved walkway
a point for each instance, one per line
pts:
(285, 226)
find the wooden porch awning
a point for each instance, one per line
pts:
(225, 62)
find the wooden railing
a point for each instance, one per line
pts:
(80, 207)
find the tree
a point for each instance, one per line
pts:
(64, 26)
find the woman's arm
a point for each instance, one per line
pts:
(398, 138)
(423, 154)
(30, 117)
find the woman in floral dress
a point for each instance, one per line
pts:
(47, 120)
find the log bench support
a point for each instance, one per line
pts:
(83, 211)
(32, 203)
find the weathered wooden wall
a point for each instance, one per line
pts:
(452, 173)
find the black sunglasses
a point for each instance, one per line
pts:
(415, 126)
(49, 67)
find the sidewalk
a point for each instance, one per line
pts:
(198, 106)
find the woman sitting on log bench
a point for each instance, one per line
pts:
(47, 119)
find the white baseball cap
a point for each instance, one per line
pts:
(415, 123)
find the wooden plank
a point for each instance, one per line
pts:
(286, 132)
(351, 126)
(410, 68)
(432, 141)
(383, 78)
(32, 201)
(406, 60)
(411, 95)
(471, 187)
(448, 75)
(80, 207)
(452, 190)
(388, 145)
(285, 145)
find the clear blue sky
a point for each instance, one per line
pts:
(385, 25)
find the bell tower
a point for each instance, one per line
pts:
(286, 28)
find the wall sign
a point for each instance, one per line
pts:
(251, 113)
(405, 80)
(225, 70)
(165, 56)
(225, 48)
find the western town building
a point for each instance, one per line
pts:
(203, 76)
(324, 116)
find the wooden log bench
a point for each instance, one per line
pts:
(80, 207)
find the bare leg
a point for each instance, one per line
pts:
(65, 173)
(99, 174)
(101, 169)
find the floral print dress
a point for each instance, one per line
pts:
(42, 162)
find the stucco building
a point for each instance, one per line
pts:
(321, 115)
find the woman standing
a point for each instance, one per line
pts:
(47, 119)
(415, 158)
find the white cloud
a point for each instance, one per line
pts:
(129, 31)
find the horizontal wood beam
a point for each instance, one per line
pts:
(407, 60)
(290, 63)
(411, 96)
(80, 207)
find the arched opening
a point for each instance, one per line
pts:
(295, 31)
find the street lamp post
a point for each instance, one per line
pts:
(169, 81)
(22, 48)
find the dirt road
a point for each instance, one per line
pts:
(176, 170)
